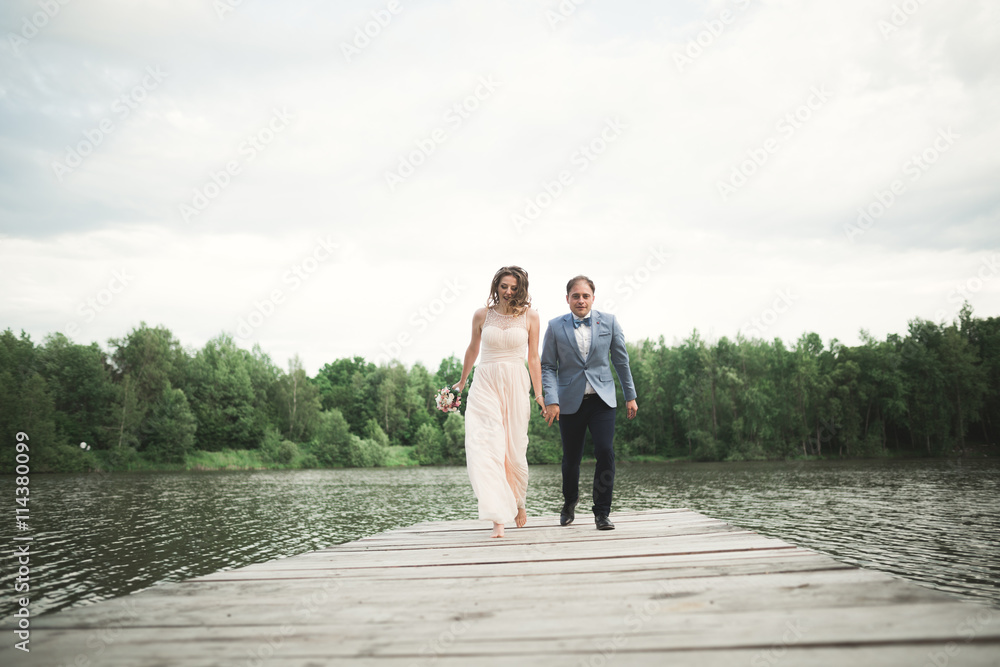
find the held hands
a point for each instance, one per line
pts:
(551, 413)
(547, 414)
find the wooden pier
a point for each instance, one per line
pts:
(668, 587)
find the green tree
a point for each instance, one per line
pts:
(154, 359)
(123, 433)
(964, 381)
(927, 415)
(453, 445)
(985, 335)
(264, 376)
(224, 398)
(27, 405)
(270, 445)
(390, 383)
(449, 372)
(37, 416)
(298, 403)
(419, 403)
(696, 406)
(429, 445)
(345, 385)
(374, 432)
(169, 431)
(365, 453)
(331, 442)
(82, 387)
(286, 452)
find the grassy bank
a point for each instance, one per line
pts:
(234, 459)
(399, 456)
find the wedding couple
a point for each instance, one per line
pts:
(574, 368)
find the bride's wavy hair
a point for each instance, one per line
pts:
(521, 299)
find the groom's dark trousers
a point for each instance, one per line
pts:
(599, 417)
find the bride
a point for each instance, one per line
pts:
(497, 411)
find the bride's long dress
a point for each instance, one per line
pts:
(496, 418)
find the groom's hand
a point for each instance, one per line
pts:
(631, 408)
(551, 413)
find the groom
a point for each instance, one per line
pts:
(577, 354)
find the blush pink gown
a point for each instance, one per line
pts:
(496, 418)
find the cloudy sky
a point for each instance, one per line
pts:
(335, 179)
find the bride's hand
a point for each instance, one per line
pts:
(459, 386)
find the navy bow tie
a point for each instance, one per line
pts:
(577, 323)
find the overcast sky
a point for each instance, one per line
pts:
(337, 179)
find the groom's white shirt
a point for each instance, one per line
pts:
(583, 336)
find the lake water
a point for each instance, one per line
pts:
(98, 536)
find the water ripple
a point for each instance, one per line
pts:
(100, 536)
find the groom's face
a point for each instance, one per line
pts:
(580, 299)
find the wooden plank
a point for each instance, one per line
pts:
(550, 521)
(496, 551)
(882, 656)
(673, 566)
(797, 589)
(693, 636)
(524, 536)
(666, 587)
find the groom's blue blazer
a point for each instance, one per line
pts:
(565, 372)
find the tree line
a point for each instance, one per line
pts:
(148, 401)
(933, 391)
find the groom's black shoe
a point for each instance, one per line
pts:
(603, 522)
(568, 514)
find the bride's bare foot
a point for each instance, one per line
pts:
(521, 518)
(497, 530)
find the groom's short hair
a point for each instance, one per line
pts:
(575, 279)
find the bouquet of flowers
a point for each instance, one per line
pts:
(447, 400)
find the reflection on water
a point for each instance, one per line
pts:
(100, 536)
